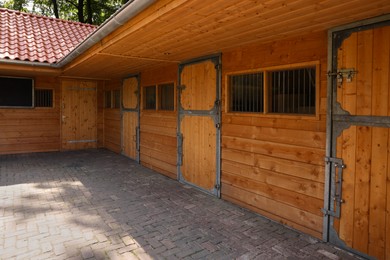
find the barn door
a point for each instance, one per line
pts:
(78, 115)
(359, 205)
(130, 118)
(199, 124)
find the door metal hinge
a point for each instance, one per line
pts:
(217, 186)
(218, 125)
(336, 186)
(218, 66)
(342, 74)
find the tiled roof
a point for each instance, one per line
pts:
(29, 37)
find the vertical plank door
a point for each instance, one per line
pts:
(130, 118)
(199, 125)
(361, 125)
(78, 115)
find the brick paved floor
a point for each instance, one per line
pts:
(98, 205)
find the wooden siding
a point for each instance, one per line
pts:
(158, 147)
(78, 114)
(32, 130)
(365, 216)
(179, 30)
(274, 164)
(112, 122)
(100, 114)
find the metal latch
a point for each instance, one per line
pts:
(342, 74)
(336, 186)
(179, 149)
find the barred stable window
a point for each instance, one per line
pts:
(107, 99)
(277, 91)
(166, 96)
(117, 98)
(150, 97)
(292, 91)
(246, 92)
(43, 98)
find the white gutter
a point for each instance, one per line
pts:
(120, 17)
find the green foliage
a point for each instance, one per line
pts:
(92, 11)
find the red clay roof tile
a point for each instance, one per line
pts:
(31, 37)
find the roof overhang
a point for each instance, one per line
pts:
(146, 34)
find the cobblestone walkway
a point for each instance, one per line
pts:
(99, 205)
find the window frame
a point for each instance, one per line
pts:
(113, 103)
(157, 102)
(52, 98)
(144, 97)
(158, 96)
(266, 89)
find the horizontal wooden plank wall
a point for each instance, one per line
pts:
(274, 165)
(158, 145)
(32, 130)
(112, 122)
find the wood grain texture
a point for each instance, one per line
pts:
(129, 134)
(32, 130)
(364, 222)
(112, 122)
(158, 143)
(129, 93)
(199, 151)
(276, 159)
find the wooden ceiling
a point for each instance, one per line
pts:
(171, 31)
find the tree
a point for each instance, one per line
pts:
(90, 11)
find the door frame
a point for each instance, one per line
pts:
(62, 107)
(338, 120)
(215, 113)
(132, 110)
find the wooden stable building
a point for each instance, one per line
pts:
(281, 107)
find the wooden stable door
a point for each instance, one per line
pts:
(361, 140)
(130, 118)
(198, 125)
(79, 112)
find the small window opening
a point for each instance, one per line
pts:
(43, 97)
(150, 97)
(292, 91)
(166, 94)
(246, 92)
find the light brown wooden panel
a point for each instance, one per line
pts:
(279, 194)
(294, 184)
(32, 130)
(199, 151)
(129, 93)
(159, 142)
(112, 121)
(290, 136)
(276, 157)
(199, 80)
(310, 222)
(79, 114)
(284, 151)
(364, 221)
(129, 134)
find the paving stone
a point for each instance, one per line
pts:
(95, 204)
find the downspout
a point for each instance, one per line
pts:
(120, 17)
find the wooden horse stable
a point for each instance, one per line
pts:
(281, 107)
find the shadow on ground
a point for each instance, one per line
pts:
(95, 204)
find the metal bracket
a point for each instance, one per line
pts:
(181, 87)
(179, 149)
(342, 74)
(336, 190)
